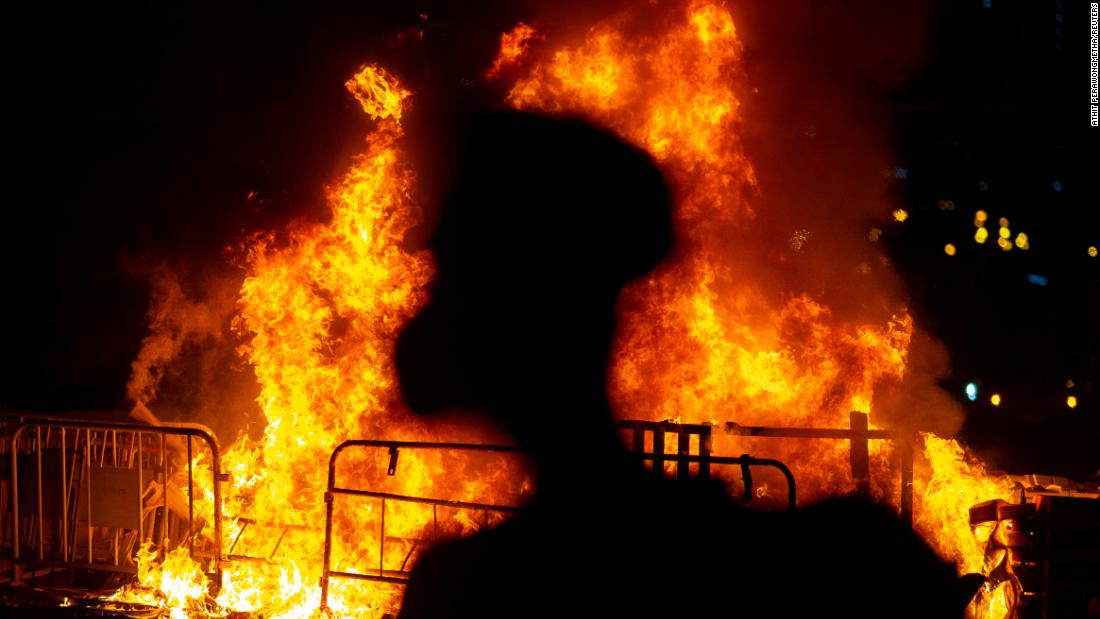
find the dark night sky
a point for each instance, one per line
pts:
(136, 132)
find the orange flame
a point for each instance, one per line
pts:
(513, 47)
(703, 340)
(700, 340)
(323, 311)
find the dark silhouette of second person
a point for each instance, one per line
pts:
(546, 221)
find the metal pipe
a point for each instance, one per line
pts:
(382, 539)
(906, 507)
(421, 500)
(782, 432)
(41, 527)
(16, 570)
(190, 504)
(659, 451)
(683, 447)
(278, 542)
(88, 477)
(137, 451)
(237, 537)
(64, 501)
(164, 533)
(859, 455)
(328, 532)
(396, 580)
(423, 445)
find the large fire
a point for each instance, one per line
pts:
(701, 340)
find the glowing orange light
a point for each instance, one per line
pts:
(995, 399)
(949, 249)
(321, 309)
(1071, 401)
(513, 47)
(377, 92)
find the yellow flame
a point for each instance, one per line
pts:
(952, 483)
(323, 308)
(377, 92)
(321, 312)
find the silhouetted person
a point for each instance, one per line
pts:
(546, 221)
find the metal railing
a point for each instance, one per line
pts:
(401, 575)
(703, 459)
(858, 435)
(84, 495)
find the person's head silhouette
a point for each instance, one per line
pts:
(546, 221)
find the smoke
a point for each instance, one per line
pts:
(187, 368)
(818, 129)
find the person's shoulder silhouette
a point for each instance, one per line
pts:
(546, 220)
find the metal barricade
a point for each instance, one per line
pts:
(78, 494)
(647, 439)
(703, 459)
(857, 434)
(400, 576)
